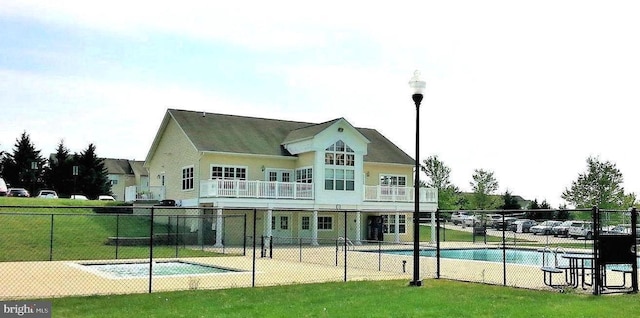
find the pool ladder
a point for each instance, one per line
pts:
(347, 240)
(556, 252)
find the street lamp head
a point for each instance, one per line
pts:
(417, 85)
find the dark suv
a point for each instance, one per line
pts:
(18, 192)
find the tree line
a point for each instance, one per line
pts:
(600, 185)
(66, 173)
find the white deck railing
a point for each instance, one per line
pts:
(256, 189)
(398, 194)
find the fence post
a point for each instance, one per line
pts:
(117, 234)
(151, 252)
(634, 267)
(51, 240)
(438, 243)
(504, 252)
(595, 221)
(345, 245)
(253, 270)
(175, 239)
(244, 235)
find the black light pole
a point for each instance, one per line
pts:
(417, 86)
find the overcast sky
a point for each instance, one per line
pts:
(526, 89)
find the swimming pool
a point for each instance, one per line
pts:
(512, 256)
(165, 268)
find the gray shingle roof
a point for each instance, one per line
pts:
(117, 166)
(211, 132)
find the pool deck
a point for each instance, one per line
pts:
(36, 280)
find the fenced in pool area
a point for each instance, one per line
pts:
(64, 255)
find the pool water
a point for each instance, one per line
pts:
(513, 256)
(171, 268)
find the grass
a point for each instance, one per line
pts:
(437, 298)
(78, 232)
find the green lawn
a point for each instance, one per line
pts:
(437, 298)
(78, 232)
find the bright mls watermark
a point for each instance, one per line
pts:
(25, 309)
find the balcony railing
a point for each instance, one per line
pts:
(398, 194)
(133, 193)
(256, 189)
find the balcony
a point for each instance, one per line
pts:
(398, 194)
(303, 191)
(256, 189)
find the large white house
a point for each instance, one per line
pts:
(299, 175)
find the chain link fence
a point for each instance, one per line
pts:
(64, 251)
(541, 249)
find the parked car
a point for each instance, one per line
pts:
(562, 229)
(48, 194)
(503, 224)
(78, 197)
(522, 225)
(490, 219)
(544, 228)
(3, 188)
(472, 220)
(581, 229)
(106, 198)
(18, 192)
(458, 217)
(621, 229)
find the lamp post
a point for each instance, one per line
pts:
(417, 87)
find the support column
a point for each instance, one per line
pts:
(433, 227)
(314, 228)
(218, 228)
(358, 230)
(397, 228)
(269, 225)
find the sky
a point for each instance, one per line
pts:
(525, 89)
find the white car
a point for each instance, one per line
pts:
(3, 188)
(47, 194)
(544, 228)
(106, 198)
(471, 220)
(581, 229)
(78, 197)
(458, 217)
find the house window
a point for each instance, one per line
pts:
(305, 223)
(393, 180)
(325, 223)
(187, 178)
(304, 175)
(341, 175)
(339, 179)
(339, 154)
(389, 223)
(113, 181)
(228, 173)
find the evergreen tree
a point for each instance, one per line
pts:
(24, 167)
(59, 176)
(92, 179)
(510, 202)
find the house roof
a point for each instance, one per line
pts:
(138, 168)
(211, 132)
(117, 166)
(124, 166)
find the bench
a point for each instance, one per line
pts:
(548, 276)
(624, 271)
